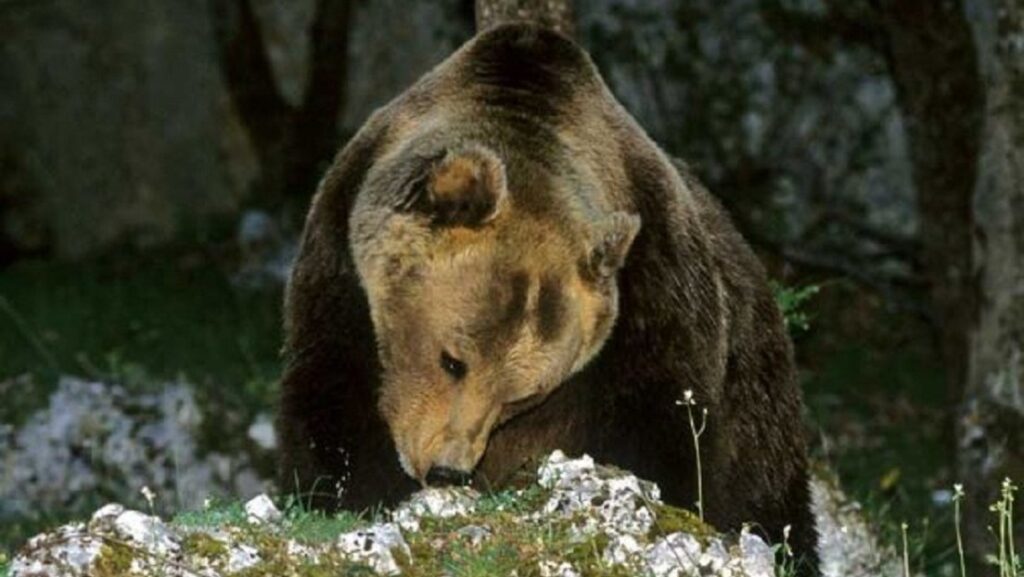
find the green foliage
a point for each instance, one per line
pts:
(217, 514)
(511, 501)
(495, 558)
(319, 527)
(144, 319)
(792, 301)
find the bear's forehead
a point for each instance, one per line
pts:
(521, 301)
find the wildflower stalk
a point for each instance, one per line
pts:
(695, 433)
(958, 495)
(906, 554)
(1009, 563)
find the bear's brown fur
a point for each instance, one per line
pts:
(472, 293)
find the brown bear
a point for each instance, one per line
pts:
(501, 263)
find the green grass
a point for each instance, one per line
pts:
(216, 515)
(301, 524)
(170, 315)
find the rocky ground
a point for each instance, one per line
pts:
(577, 518)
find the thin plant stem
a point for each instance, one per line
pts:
(906, 554)
(1004, 570)
(958, 493)
(696, 433)
(1014, 562)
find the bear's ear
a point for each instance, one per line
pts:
(465, 188)
(611, 241)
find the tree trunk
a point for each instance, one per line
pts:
(291, 142)
(992, 429)
(554, 14)
(932, 59)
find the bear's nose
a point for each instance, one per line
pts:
(446, 477)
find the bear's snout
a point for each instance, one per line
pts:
(447, 477)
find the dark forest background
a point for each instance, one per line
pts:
(157, 157)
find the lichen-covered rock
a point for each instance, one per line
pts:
(619, 500)
(580, 519)
(847, 547)
(440, 503)
(68, 552)
(261, 509)
(557, 569)
(375, 546)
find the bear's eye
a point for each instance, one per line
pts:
(453, 366)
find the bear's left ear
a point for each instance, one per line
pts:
(466, 188)
(612, 238)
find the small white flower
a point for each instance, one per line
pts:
(688, 396)
(148, 495)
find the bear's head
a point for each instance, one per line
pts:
(486, 293)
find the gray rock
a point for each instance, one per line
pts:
(146, 532)
(95, 437)
(847, 546)
(475, 534)
(440, 503)
(261, 509)
(65, 552)
(374, 546)
(620, 501)
(579, 488)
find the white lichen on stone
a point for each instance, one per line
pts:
(550, 568)
(66, 552)
(436, 502)
(261, 509)
(241, 557)
(620, 500)
(846, 545)
(145, 532)
(375, 546)
(597, 504)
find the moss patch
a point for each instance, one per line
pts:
(205, 547)
(114, 560)
(669, 519)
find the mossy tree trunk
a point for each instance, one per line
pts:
(992, 428)
(555, 14)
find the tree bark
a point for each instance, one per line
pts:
(992, 427)
(931, 55)
(554, 14)
(929, 50)
(291, 142)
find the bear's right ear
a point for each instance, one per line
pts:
(465, 188)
